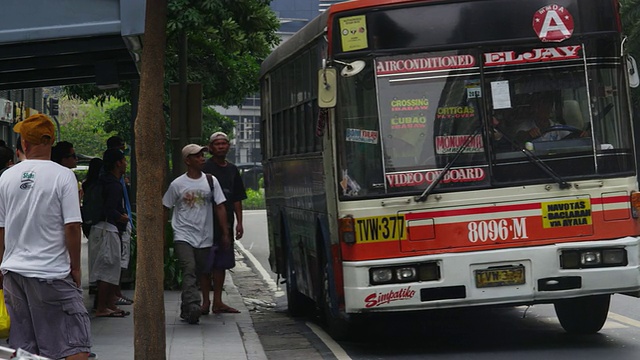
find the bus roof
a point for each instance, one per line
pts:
(316, 27)
(360, 4)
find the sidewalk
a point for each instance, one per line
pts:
(218, 336)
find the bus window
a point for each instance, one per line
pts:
(551, 112)
(358, 135)
(611, 128)
(430, 109)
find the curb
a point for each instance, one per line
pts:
(252, 345)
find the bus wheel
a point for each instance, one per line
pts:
(583, 315)
(297, 304)
(337, 327)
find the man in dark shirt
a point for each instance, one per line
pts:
(229, 178)
(106, 235)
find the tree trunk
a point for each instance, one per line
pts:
(148, 315)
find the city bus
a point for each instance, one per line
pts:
(442, 154)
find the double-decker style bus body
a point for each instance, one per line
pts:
(438, 154)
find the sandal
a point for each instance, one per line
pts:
(226, 310)
(113, 314)
(204, 309)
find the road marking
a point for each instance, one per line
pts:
(335, 348)
(261, 270)
(624, 320)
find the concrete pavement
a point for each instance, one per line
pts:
(217, 336)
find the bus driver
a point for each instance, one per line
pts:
(535, 126)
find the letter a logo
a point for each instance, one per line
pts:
(553, 23)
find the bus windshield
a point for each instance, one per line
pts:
(405, 117)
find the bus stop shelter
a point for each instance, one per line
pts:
(48, 43)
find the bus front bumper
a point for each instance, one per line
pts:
(461, 284)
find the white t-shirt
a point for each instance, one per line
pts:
(37, 198)
(192, 218)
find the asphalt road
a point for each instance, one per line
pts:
(476, 333)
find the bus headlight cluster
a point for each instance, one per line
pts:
(405, 273)
(590, 258)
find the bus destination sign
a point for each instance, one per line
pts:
(566, 213)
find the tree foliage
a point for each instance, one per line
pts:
(227, 40)
(87, 126)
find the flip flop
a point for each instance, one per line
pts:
(115, 314)
(204, 310)
(225, 310)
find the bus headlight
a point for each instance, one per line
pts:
(381, 276)
(590, 258)
(428, 271)
(406, 274)
(614, 256)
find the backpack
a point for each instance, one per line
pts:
(93, 204)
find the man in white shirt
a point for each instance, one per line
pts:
(40, 242)
(191, 197)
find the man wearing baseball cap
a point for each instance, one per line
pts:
(194, 197)
(40, 242)
(234, 190)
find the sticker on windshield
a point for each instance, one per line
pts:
(417, 178)
(473, 89)
(409, 122)
(566, 213)
(354, 33)
(559, 53)
(500, 94)
(419, 64)
(409, 104)
(362, 136)
(349, 186)
(451, 144)
(455, 112)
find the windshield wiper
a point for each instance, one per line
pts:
(534, 159)
(436, 181)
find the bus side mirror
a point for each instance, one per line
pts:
(632, 67)
(327, 88)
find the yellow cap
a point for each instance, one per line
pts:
(36, 129)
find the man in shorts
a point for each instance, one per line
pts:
(106, 236)
(233, 187)
(190, 196)
(40, 242)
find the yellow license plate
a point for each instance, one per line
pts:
(380, 228)
(513, 275)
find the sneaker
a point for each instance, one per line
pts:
(93, 356)
(191, 316)
(122, 301)
(194, 315)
